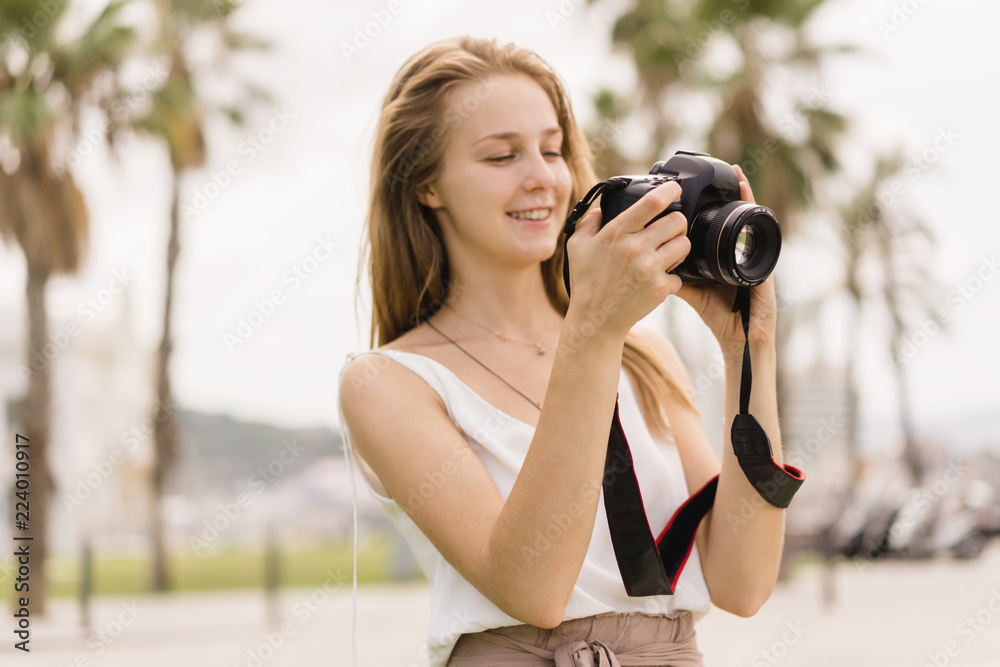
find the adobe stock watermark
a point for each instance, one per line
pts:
(562, 11)
(117, 114)
(577, 336)
(457, 113)
(87, 310)
(779, 649)
(47, 10)
(829, 428)
(230, 512)
(610, 131)
(899, 16)
(363, 35)
(265, 308)
(435, 479)
(561, 521)
(302, 611)
(786, 127)
(968, 629)
(102, 470)
(920, 501)
(911, 171)
(694, 47)
(959, 296)
(375, 364)
(248, 150)
(461, 623)
(705, 378)
(917, 165)
(573, 338)
(226, 7)
(103, 639)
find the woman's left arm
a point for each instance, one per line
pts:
(740, 540)
(744, 533)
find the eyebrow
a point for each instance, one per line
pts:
(514, 135)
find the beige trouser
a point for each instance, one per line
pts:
(605, 640)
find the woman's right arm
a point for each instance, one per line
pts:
(525, 554)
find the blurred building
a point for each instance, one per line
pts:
(101, 378)
(234, 480)
(815, 436)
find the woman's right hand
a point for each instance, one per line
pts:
(620, 272)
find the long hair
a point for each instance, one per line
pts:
(408, 264)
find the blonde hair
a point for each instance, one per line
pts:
(408, 265)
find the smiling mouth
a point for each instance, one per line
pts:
(536, 214)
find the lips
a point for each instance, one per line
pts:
(534, 214)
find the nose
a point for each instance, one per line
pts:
(540, 173)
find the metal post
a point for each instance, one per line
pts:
(86, 585)
(272, 576)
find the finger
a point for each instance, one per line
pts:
(589, 224)
(693, 294)
(700, 296)
(664, 229)
(746, 194)
(674, 251)
(650, 205)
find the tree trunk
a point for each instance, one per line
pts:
(840, 504)
(165, 430)
(34, 418)
(854, 393)
(912, 456)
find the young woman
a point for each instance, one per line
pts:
(481, 420)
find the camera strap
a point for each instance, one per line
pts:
(653, 566)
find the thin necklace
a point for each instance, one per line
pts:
(504, 337)
(537, 405)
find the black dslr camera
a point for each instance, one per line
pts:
(732, 241)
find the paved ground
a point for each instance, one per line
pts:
(907, 614)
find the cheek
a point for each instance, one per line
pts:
(469, 190)
(565, 179)
(493, 187)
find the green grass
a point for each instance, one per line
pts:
(221, 571)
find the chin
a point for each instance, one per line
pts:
(543, 252)
(526, 254)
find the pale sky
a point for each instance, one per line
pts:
(297, 179)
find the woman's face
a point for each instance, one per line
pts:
(503, 189)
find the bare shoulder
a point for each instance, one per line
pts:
(382, 400)
(415, 455)
(371, 381)
(376, 374)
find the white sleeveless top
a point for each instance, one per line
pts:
(501, 442)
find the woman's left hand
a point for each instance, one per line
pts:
(714, 303)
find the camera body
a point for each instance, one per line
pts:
(732, 241)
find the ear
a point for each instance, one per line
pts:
(429, 197)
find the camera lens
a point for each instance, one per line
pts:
(736, 243)
(745, 245)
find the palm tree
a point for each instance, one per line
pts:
(177, 116)
(873, 235)
(687, 92)
(45, 83)
(675, 50)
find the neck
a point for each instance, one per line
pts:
(513, 303)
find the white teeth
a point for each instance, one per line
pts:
(538, 214)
